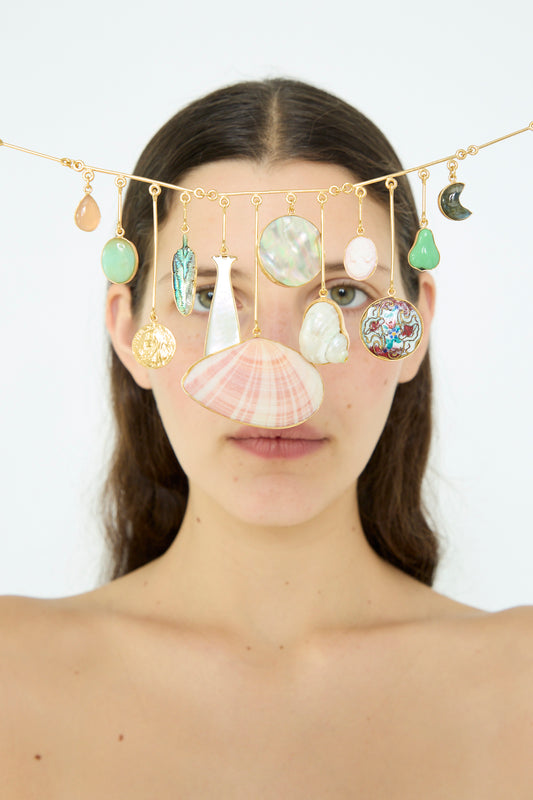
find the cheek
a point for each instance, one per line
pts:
(357, 402)
(364, 383)
(186, 423)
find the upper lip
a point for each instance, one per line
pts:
(305, 432)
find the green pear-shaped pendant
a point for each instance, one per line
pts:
(424, 254)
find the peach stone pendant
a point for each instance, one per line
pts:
(87, 216)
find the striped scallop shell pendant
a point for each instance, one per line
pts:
(184, 277)
(289, 250)
(323, 336)
(360, 258)
(258, 382)
(391, 328)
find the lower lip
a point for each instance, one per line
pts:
(279, 447)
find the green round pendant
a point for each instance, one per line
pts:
(119, 260)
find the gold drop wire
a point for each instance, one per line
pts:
(322, 199)
(360, 193)
(423, 174)
(256, 201)
(154, 345)
(391, 184)
(224, 203)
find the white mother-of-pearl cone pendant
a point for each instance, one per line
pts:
(323, 337)
(258, 382)
(360, 258)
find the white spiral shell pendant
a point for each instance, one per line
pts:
(258, 382)
(323, 337)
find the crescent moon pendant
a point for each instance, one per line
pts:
(450, 204)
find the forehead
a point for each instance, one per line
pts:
(273, 182)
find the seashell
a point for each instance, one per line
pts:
(323, 337)
(289, 250)
(391, 328)
(360, 258)
(257, 382)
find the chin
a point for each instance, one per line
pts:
(280, 501)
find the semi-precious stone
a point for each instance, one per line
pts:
(119, 260)
(424, 254)
(87, 216)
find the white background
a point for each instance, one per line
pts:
(96, 80)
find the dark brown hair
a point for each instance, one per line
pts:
(269, 121)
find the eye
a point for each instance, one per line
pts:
(346, 295)
(203, 299)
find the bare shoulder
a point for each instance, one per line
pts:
(43, 646)
(507, 637)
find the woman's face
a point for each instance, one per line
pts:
(258, 481)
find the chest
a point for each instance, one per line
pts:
(378, 724)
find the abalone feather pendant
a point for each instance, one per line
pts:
(184, 277)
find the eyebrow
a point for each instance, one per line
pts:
(211, 272)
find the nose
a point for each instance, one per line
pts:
(280, 315)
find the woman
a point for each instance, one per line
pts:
(287, 642)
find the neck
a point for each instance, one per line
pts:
(274, 585)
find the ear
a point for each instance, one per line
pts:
(426, 308)
(122, 328)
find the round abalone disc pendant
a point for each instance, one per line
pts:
(323, 337)
(391, 328)
(360, 258)
(153, 345)
(289, 250)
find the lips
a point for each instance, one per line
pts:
(294, 442)
(302, 432)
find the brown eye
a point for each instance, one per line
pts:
(203, 299)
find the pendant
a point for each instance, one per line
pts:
(360, 258)
(289, 250)
(450, 204)
(153, 345)
(184, 277)
(391, 328)
(424, 254)
(119, 260)
(258, 382)
(87, 215)
(323, 337)
(223, 325)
